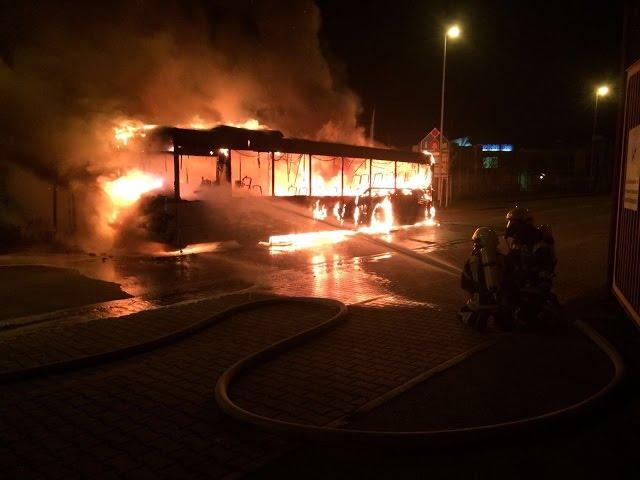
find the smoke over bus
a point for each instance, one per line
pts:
(72, 74)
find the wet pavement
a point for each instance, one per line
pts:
(403, 323)
(322, 270)
(352, 271)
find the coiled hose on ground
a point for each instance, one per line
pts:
(444, 437)
(311, 432)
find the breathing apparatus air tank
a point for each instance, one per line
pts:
(486, 244)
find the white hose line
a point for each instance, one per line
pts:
(439, 437)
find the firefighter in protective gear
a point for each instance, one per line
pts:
(531, 249)
(519, 226)
(530, 265)
(482, 278)
(544, 258)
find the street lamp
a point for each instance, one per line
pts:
(601, 91)
(452, 32)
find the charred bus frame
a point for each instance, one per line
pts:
(224, 142)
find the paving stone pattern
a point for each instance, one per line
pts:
(59, 341)
(377, 350)
(152, 416)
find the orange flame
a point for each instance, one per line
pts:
(198, 123)
(124, 191)
(381, 218)
(338, 212)
(320, 211)
(298, 241)
(129, 129)
(381, 223)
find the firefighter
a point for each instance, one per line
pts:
(530, 266)
(482, 278)
(520, 230)
(544, 258)
(520, 235)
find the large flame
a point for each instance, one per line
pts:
(381, 223)
(370, 181)
(381, 218)
(124, 191)
(199, 123)
(126, 130)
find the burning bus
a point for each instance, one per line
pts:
(362, 188)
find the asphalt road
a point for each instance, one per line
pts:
(359, 270)
(580, 226)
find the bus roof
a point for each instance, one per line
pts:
(202, 142)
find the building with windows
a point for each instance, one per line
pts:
(496, 169)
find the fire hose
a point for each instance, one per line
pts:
(316, 433)
(440, 437)
(309, 432)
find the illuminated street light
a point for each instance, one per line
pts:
(601, 91)
(452, 32)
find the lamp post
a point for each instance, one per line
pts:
(452, 32)
(601, 91)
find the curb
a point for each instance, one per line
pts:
(158, 342)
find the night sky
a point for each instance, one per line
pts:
(522, 72)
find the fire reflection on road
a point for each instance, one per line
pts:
(329, 274)
(348, 279)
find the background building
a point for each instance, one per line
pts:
(496, 169)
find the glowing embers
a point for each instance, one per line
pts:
(300, 241)
(124, 191)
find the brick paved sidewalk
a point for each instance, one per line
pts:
(59, 341)
(154, 415)
(375, 351)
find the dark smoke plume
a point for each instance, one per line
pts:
(71, 71)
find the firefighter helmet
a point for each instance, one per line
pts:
(519, 213)
(485, 237)
(517, 218)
